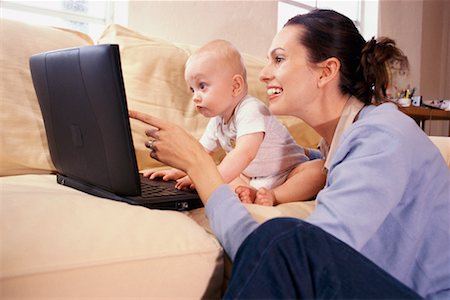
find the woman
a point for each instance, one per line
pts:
(381, 225)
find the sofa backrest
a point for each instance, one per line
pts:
(23, 142)
(153, 71)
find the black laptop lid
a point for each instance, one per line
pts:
(82, 99)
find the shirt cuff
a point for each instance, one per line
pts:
(229, 219)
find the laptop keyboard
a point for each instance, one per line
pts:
(154, 188)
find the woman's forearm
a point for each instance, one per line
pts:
(205, 175)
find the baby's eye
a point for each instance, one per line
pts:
(202, 85)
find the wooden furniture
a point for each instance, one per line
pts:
(422, 114)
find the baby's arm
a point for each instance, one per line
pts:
(184, 182)
(166, 175)
(241, 156)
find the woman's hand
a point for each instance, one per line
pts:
(171, 145)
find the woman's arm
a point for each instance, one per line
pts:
(229, 219)
(175, 147)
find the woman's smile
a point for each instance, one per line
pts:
(273, 92)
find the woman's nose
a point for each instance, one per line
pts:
(264, 75)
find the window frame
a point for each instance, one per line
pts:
(115, 12)
(366, 23)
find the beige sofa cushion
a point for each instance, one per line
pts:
(58, 242)
(23, 147)
(153, 72)
(443, 144)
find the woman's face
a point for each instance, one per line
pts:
(291, 80)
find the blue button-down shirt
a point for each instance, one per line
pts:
(387, 195)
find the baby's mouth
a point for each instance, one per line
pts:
(274, 91)
(199, 108)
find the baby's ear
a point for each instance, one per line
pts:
(238, 84)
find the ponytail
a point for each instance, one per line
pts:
(376, 60)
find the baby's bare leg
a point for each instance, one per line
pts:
(265, 197)
(303, 183)
(241, 186)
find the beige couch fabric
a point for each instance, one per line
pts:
(23, 145)
(59, 242)
(443, 144)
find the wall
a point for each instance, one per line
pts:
(401, 20)
(421, 29)
(249, 25)
(435, 61)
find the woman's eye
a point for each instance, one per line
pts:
(278, 59)
(192, 90)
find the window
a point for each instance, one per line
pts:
(90, 17)
(364, 13)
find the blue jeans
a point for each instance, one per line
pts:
(288, 258)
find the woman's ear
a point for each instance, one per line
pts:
(329, 70)
(238, 84)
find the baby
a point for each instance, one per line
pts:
(260, 152)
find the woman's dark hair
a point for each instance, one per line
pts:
(364, 66)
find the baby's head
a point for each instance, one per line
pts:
(219, 54)
(216, 71)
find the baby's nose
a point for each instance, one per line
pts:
(196, 98)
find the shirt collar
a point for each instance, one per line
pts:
(351, 109)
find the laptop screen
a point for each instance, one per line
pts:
(82, 98)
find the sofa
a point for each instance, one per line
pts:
(58, 242)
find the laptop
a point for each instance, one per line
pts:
(82, 99)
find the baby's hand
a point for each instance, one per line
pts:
(166, 175)
(184, 182)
